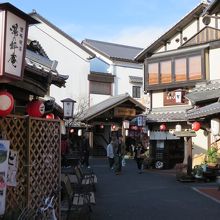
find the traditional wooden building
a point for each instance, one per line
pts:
(106, 119)
(187, 54)
(34, 141)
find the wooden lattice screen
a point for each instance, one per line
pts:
(37, 142)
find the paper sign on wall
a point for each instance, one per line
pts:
(4, 151)
(12, 168)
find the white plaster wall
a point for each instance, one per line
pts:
(173, 44)
(190, 30)
(122, 84)
(157, 99)
(72, 61)
(95, 98)
(214, 56)
(200, 142)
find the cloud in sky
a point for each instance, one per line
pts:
(138, 36)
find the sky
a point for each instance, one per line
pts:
(130, 22)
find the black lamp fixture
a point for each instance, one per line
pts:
(68, 108)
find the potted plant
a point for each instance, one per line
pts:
(212, 156)
(197, 171)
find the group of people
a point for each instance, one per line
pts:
(83, 147)
(116, 150)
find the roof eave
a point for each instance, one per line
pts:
(160, 41)
(41, 18)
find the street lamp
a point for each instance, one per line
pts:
(68, 112)
(68, 108)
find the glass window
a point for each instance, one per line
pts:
(100, 88)
(180, 69)
(195, 68)
(153, 73)
(136, 91)
(166, 72)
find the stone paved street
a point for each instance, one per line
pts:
(151, 195)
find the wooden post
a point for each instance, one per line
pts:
(189, 156)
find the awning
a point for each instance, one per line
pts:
(201, 112)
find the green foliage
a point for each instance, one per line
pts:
(212, 155)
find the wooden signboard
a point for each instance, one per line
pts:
(185, 133)
(120, 112)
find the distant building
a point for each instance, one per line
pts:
(73, 59)
(114, 71)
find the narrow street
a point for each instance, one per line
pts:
(153, 194)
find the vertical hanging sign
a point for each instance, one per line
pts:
(13, 40)
(4, 151)
(15, 44)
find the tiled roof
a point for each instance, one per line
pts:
(201, 112)
(171, 114)
(135, 79)
(113, 51)
(108, 104)
(212, 8)
(205, 91)
(42, 65)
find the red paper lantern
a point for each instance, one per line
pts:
(196, 126)
(163, 127)
(50, 116)
(36, 108)
(6, 103)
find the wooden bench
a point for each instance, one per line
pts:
(75, 201)
(86, 178)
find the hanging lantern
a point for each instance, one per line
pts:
(126, 132)
(6, 103)
(178, 128)
(80, 132)
(35, 108)
(113, 127)
(163, 127)
(72, 130)
(101, 126)
(49, 116)
(196, 126)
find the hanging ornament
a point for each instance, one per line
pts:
(196, 126)
(6, 103)
(178, 128)
(163, 127)
(35, 108)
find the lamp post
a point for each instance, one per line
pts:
(68, 112)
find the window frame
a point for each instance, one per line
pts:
(135, 90)
(174, 83)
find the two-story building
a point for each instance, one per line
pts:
(114, 71)
(184, 56)
(73, 58)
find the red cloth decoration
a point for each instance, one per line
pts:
(35, 108)
(6, 103)
(196, 126)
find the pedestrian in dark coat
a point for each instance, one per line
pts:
(85, 148)
(139, 156)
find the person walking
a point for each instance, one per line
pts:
(119, 152)
(85, 148)
(139, 156)
(110, 154)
